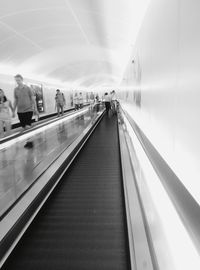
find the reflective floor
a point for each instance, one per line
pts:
(17, 131)
(20, 167)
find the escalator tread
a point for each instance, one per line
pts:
(81, 226)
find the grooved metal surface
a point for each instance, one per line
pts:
(82, 225)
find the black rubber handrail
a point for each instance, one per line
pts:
(185, 204)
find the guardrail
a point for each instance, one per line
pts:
(140, 246)
(186, 206)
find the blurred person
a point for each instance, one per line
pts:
(24, 101)
(92, 98)
(97, 97)
(107, 100)
(87, 97)
(114, 102)
(5, 117)
(76, 102)
(97, 103)
(113, 95)
(80, 98)
(72, 100)
(60, 102)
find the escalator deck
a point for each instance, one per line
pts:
(82, 225)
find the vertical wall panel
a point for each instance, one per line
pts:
(168, 53)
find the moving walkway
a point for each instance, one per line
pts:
(77, 214)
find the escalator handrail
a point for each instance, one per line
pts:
(135, 213)
(186, 206)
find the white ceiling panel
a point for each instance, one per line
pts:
(59, 40)
(12, 45)
(27, 20)
(75, 41)
(11, 7)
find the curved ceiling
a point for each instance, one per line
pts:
(83, 43)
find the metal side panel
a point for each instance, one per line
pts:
(139, 248)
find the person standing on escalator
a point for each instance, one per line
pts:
(60, 102)
(5, 117)
(80, 99)
(107, 100)
(76, 102)
(114, 102)
(24, 101)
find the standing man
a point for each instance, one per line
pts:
(80, 98)
(107, 100)
(60, 102)
(92, 98)
(24, 101)
(76, 102)
(114, 102)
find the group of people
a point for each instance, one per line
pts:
(61, 102)
(110, 100)
(25, 103)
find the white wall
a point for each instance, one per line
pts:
(168, 53)
(166, 71)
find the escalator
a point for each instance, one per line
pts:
(83, 224)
